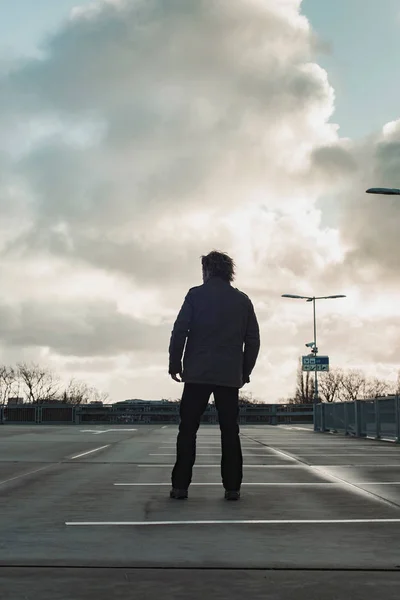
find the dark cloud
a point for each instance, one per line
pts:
(85, 329)
(333, 160)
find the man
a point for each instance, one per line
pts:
(217, 320)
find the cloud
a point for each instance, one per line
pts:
(89, 329)
(369, 223)
(217, 103)
(148, 133)
(193, 105)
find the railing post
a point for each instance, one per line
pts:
(317, 417)
(377, 420)
(358, 411)
(39, 414)
(274, 414)
(322, 423)
(397, 406)
(346, 419)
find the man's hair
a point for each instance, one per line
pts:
(219, 264)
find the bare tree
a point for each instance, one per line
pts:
(339, 385)
(98, 396)
(77, 392)
(396, 387)
(245, 398)
(40, 383)
(305, 386)
(376, 388)
(10, 383)
(352, 386)
(289, 400)
(329, 384)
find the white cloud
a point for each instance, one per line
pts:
(149, 133)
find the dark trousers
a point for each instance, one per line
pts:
(194, 401)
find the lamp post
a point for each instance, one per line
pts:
(384, 191)
(314, 349)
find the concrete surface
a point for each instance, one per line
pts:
(123, 584)
(85, 513)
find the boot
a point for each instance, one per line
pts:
(232, 495)
(178, 494)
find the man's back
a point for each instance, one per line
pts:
(218, 321)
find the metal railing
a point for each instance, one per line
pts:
(269, 414)
(378, 418)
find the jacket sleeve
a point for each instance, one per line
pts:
(179, 334)
(251, 343)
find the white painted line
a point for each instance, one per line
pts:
(90, 431)
(26, 474)
(253, 454)
(233, 522)
(292, 427)
(98, 432)
(217, 447)
(354, 443)
(243, 484)
(356, 466)
(164, 426)
(328, 454)
(377, 482)
(281, 454)
(90, 452)
(247, 466)
(119, 429)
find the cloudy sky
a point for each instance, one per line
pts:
(136, 135)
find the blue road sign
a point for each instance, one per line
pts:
(312, 363)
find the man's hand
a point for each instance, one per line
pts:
(175, 376)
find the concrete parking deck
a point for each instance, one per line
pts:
(85, 513)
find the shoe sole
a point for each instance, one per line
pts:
(178, 496)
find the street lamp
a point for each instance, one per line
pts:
(385, 191)
(314, 349)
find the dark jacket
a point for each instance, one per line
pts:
(217, 320)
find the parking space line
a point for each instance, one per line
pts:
(291, 484)
(253, 454)
(357, 488)
(100, 431)
(26, 474)
(329, 447)
(89, 452)
(377, 482)
(219, 466)
(232, 522)
(347, 454)
(280, 454)
(215, 447)
(356, 466)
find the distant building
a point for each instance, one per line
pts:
(15, 400)
(137, 402)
